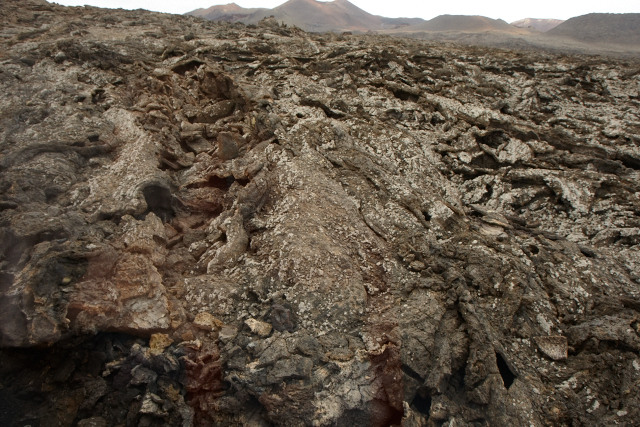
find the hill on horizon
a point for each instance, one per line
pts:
(618, 28)
(463, 23)
(602, 33)
(227, 12)
(312, 15)
(309, 15)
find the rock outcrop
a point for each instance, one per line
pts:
(214, 224)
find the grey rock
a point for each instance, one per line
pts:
(141, 375)
(152, 405)
(554, 347)
(375, 228)
(297, 367)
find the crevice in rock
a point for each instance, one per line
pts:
(6, 280)
(12, 246)
(629, 160)
(114, 217)
(411, 373)
(422, 403)
(318, 104)
(188, 65)
(487, 195)
(404, 95)
(508, 377)
(223, 183)
(588, 252)
(484, 161)
(159, 201)
(457, 378)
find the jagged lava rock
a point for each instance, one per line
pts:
(216, 224)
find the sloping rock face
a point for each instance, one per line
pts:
(213, 224)
(618, 28)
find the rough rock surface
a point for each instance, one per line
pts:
(213, 224)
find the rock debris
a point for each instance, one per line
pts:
(219, 224)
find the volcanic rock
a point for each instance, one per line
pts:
(554, 346)
(406, 231)
(262, 329)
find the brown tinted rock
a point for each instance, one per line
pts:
(158, 342)
(207, 322)
(217, 111)
(132, 299)
(227, 146)
(259, 328)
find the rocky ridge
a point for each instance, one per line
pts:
(309, 15)
(214, 224)
(595, 34)
(601, 28)
(463, 23)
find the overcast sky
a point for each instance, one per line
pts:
(509, 10)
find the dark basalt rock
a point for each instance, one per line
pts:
(254, 225)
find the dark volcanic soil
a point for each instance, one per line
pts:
(212, 224)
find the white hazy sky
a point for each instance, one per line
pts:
(509, 10)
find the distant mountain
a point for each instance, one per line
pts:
(542, 25)
(227, 12)
(309, 15)
(623, 28)
(463, 24)
(591, 32)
